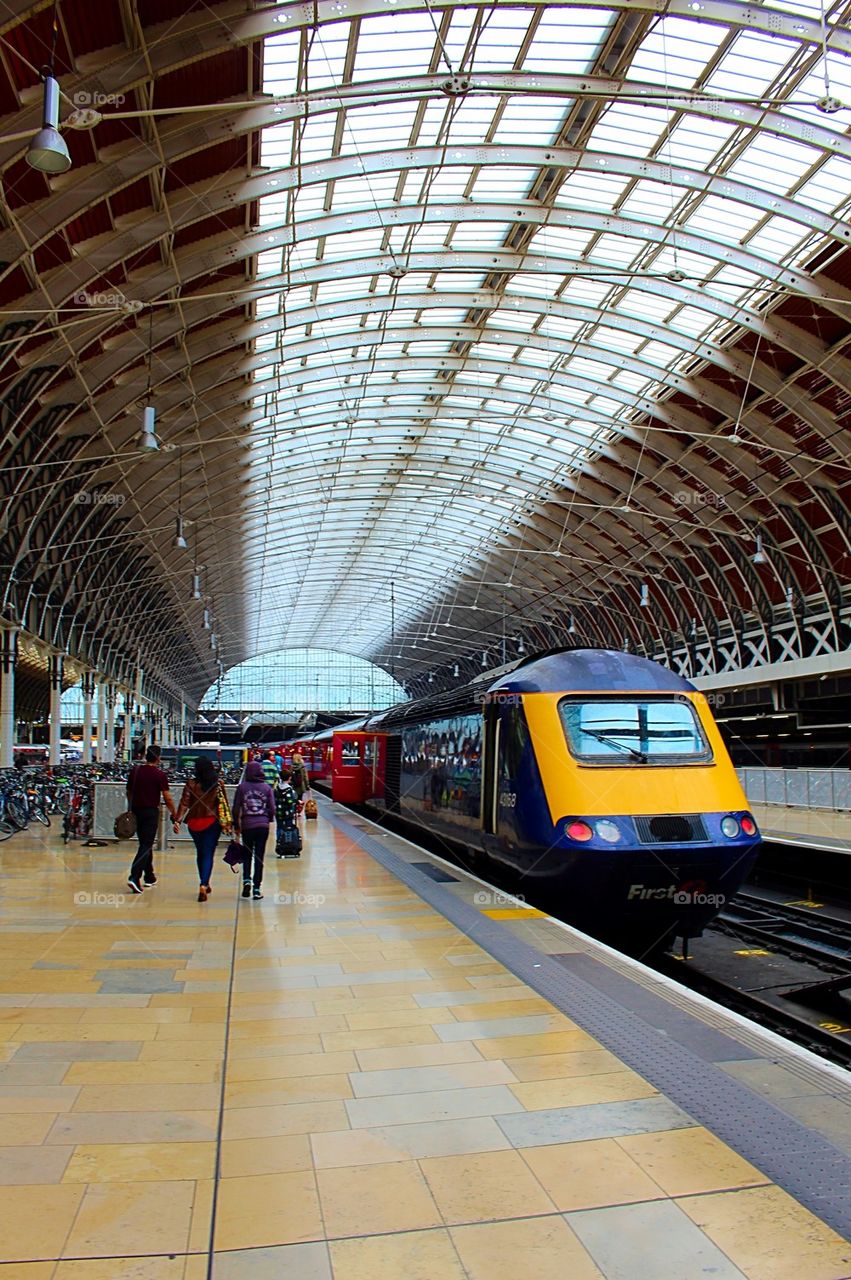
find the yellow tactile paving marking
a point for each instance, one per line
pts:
(396, 1104)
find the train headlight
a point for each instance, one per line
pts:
(607, 831)
(748, 825)
(576, 829)
(729, 827)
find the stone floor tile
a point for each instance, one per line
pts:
(417, 1055)
(599, 1120)
(769, 1235)
(97, 1127)
(242, 1157)
(580, 1091)
(625, 1242)
(364, 1200)
(544, 1248)
(485, 1187)
(463, 1075)
(139, 1162)
(300, 1261)
(690, 1161)
(268, 1209)
(126, 1218)
(28, 1165)
(587, 1175)
(366, 1113)
(407, 1255)
(36, 1220)
(407, 1141)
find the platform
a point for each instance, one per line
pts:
(383, 1070)
(828, 829)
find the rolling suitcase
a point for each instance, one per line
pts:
(288, 844)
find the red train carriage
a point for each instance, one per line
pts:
(359, 766)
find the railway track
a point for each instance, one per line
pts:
(780, 964)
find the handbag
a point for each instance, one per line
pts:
(125, 825)
(235, 855)
(223, 809)
(311, 808)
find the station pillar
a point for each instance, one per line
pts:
(8, 662)
(55, 666)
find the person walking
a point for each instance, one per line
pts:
(299, 780)
(288, 844)
(271, 773)
(199, 804)
(146, 782)
(253, 811)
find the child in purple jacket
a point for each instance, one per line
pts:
(253, 811)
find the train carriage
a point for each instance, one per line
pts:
(596, 778)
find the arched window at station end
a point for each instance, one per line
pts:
(304, 680)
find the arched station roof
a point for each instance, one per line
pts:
(469, 328)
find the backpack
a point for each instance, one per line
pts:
(286, 805)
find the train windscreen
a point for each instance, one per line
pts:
(633, 730)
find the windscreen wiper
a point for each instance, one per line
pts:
(613, 742)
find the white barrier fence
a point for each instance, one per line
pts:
(798, 788)
(111, 799)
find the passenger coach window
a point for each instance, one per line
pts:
(632, 731)
(351, 753)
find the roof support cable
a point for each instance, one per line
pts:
(828, 103)
(734, 437)
(440, 42)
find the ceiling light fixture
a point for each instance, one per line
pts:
(48, 151)
(759, 556)
(645, 596)
(148, 435)
(179, 540)
(196, 585)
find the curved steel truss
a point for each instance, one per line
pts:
(469, 328)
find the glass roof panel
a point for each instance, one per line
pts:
(441, 415)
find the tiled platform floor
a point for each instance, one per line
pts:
(828, 826)
(395, 1103)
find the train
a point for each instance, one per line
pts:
(595, 780)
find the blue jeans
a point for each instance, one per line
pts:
(205, 847)
(254, 840)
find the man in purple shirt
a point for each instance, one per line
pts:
(145, 784)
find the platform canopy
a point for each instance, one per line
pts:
(469, 330)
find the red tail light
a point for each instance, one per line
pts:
(576, 829)
(748, 825)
